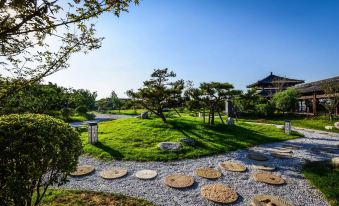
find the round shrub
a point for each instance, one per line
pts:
(36, 151)
(81, 110)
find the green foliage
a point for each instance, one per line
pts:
(331, 91)
(36, 151)
(138, 139)
(157, 93)
(210, 96)
(264, 109)
(286, 100)
(49, 99)
(325, 177)
(70, 25)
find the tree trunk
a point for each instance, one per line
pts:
(221, 118)
(212, 118)
(203, 114)
(209, 118)
(162, 116)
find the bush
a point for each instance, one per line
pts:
(66, 113)
(264, 109)
(81, 110)
(286, 100)
(36, 151)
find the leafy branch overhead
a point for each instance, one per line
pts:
(38, 37)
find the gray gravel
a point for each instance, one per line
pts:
(297, 190)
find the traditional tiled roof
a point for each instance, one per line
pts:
(271, 79)
(315, 86)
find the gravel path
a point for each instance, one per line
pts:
(101, 118)
(297, 190)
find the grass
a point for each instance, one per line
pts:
(127, 111)
(136, 139)
(317, 123)
(86, 198)
(326, 178)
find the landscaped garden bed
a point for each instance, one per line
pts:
(138, 139)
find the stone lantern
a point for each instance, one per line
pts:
(287, 126)
(92, 132)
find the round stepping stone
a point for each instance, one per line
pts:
(264, 200)
(179, 181)
(232, 166)
(281, 150)
(291, 146)
(146, 174)
(257, 156)
(268, 178)
(335, 162)
(208, 173)
(83, 170)
(219, 193)
(263, 167)
(281, 155)
(113, 173)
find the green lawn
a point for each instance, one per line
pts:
(86, 198)
(136, 139)
(317, 123)
(127, 111)
(326, 178)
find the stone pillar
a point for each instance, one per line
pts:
(314, 105)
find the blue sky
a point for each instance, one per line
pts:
(236, 41)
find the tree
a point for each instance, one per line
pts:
(286, 100)
(212, 96)
(28, 28)
(36, 152)
(331, 100)
(116, 102)
(157, 93)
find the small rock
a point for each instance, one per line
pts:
(189, 141)
(169, 146)
(336, 125)
(279, 126)
(329, 127)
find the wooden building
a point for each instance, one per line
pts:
(273, 83)
(312, 95)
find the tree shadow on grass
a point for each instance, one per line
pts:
(114, 153)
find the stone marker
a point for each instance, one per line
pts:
(83, 170)
(257, 156)
(268, 178)
(264, 167)
(336, 125)
(335, 162)
(230, 121)
(169, 146)
(146, 174)
(269, 200)
(280, 126)
(208, 173)
(232, 166)
(219, 193)
(179, 181)
(113, 173)
(281, 155)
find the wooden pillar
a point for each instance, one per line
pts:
(314, 106)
